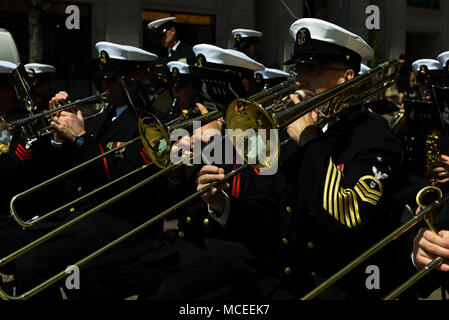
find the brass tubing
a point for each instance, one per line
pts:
(375, 248)
(418, 276)
(62, 274)
(27, 224)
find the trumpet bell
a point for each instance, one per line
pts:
(252, 135)
(155, 139)
(5, 137)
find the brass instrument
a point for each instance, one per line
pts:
(250, 113)
(397, 121)
(436, 205)
(151, 129)
(36, 126)
(430, 200)
(155, 137)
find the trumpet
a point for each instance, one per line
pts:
(36, 126)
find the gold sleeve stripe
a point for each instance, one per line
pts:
(366, 192)
(377, 193)
(342, 204)
(364, 197)
(331, 192)
(351, 206)
(356, 207)
(336, 193)
(346, 212)
(326, 184)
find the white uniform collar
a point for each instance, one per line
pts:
(174, 48)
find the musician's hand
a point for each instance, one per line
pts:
(303, 130)
(207, 131)
(215, 197)
(428, 246)
(69, 125)
(442, 171)
(59, 99)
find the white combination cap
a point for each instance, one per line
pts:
(7, 66)
(444, 60)
(182, 68)
(324, 42)
(426, 64)
(227, 57)
(155, 25)
(270, 73)
(246, 33)
(111, 50)
(39, 68)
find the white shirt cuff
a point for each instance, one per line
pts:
(56, 144)
(222, 219)
(413, 261)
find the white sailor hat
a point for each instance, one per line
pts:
(424, 65)
(244, 37)
(319, 41)
(207, 54)
(7, 66)
(270, 77)
(364, 68)
(444, 60)
(116, 58)
(179, 73)
(162, 25)
(38, 72)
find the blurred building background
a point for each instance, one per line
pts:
(418, 28)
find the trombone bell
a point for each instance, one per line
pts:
(251, 135)
(155, 138)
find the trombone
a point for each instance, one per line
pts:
(422, 216)
(151, 130)
(155, 138)
(35, 126)
(148, 126)
(250, 113)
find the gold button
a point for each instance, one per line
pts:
(78, 189)
(188, 219)
(413, 138)
(411, 149)
(181, 234)
(284, 241)
(206, 221)
(313, 274)
(288, 209)
(287, 270)
(310, 245)
(72, 210)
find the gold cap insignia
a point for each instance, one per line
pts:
(238, 38)
(423, 69)
(303, 36)
(259, 78)
(199, 61)
(175, 72)
(104, 57)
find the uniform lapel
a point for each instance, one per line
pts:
(127, 119)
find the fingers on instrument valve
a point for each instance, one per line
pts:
(300, 94)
